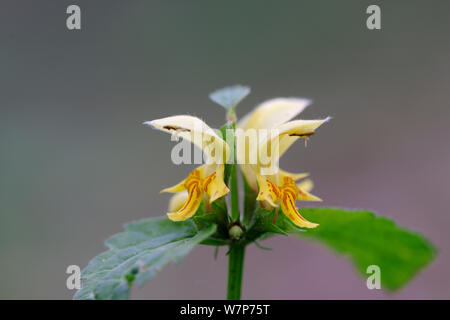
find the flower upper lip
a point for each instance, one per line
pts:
(206, 181)
(197, 132)
(277, 186)
(274, 114)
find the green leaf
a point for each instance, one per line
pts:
(371, 240)
(137, 254)
(230, 97)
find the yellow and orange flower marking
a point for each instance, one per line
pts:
(286, 195)
(197, 185)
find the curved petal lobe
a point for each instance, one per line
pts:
(290, 211)
(214, 185)
(178, 200)
(268, 191)
(190, 207)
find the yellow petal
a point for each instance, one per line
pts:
(176, 188)
(177, 201)
(306, 196)
(306, 185)
(198, 133)
(290, 211)
(190, 206)
(276, 144)
(304, 188)
(290, 132)
(267, 191)
(267, 115)
(197, 174)
(214, 184)
(293, 176)
(274, 112)
(301, 127)
(280, 174)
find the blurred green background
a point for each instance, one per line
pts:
(76, 162)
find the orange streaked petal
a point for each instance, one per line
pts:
(267, 191)
(214, 184)
(190, 207)
(290, 211)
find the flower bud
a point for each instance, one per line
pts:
(235, 232)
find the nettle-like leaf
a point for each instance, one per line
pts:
(230, 97)
(368, 240)
(137, 254)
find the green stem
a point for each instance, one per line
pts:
(237, 250)
(235, 270)
(249, 201)
(235, 214)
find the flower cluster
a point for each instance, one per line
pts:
(260, 139)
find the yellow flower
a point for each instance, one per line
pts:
(275, 134)
(205, 182)
(287, 194)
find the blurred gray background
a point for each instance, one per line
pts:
(76, 162)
